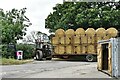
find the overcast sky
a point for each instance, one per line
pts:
(37, 11)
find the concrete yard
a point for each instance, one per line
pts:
(53, 69)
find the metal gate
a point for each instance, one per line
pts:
(114, 42)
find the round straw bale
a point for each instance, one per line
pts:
(99, 38)
(83, 39)
(76, 39)
(90, 32)
(100, 32)
(106, 37)
(80, 31)
(59, 33)
(56, 50)
(112, 32)
(65, 40)
(59, 49)
(69, 49)
(91, 39)
(55, 40)
(78, 49)
(90, 49)
(99, 47)
(84, 48)
(69, 33)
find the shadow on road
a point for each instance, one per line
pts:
(73, 59)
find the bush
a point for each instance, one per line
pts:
(7, 52)
(27, 49)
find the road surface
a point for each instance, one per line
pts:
(53, 69)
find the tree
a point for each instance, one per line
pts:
(13, 24)
(84, 14)
(33, 36)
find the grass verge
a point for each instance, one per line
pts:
(5, 61)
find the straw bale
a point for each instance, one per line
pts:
(112, 32)
(59, 33)
(65, 40)
(56, 49)
(91, 39)
(83, 39)
(101, 32)
(78, 49)
(76, 40)
(69, 49)
(90, 32)
(84, 48)
(90, 49)
(99, 38)
(69, 33)
(80, 31)
(106, 37)
(59, 49)
(55, 40)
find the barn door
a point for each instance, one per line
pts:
(110, 59)
(99, 57)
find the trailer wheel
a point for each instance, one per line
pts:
(90, 58)
(65, 57)
(39, 55)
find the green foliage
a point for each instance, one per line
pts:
(27, 49)
(13, 25)
(4, 51)
(7, 52)
(84, 14)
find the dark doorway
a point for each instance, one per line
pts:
(105, 56)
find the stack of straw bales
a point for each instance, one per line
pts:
(80, 41)
(90, 34)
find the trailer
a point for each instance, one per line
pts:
(81, 42)
(68, 51)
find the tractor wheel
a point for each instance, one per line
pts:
(39, 55)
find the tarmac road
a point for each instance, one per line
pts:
(53, 69)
